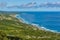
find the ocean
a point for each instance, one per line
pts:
(47, 20)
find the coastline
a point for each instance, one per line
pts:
(37, 25)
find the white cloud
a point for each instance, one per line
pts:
(23, 5)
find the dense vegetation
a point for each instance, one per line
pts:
(11, 26)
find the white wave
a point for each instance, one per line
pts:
(43, 28)
(35, 24)
(21, 19)
(48, 29)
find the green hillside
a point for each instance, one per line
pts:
(11, 26)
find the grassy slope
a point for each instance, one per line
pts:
(12, 26)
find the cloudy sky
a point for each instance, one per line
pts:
(4, 4)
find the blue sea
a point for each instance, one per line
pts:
(49, 20)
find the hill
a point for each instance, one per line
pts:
(12, 27)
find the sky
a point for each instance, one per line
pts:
(4, 4)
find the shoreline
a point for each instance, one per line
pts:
(37, 25)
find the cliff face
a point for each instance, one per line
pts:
(10, 25)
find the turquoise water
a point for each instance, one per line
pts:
(49, 20)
